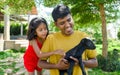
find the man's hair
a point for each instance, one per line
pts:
(60, 11)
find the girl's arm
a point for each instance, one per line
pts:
(45, 54)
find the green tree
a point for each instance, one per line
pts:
(91, 12)
(12, 7)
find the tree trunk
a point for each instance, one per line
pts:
(6, 35)
(104, 31)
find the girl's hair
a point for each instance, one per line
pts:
(34, 23)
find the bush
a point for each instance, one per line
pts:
(111, 63)
(14, 29)
(1, 28)
(11, 60)
(98, 37)
(118, 35)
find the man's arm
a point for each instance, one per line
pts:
(91, 63)
(60, 65)
(46, 65)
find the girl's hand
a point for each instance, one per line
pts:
(59, 52)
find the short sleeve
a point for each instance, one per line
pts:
(91, 53)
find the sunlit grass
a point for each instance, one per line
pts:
(100, 72)
(112, 44)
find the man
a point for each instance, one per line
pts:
(66, 39)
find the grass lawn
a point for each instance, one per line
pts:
(100, 72)
(112, 44)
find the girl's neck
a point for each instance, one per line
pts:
(41, 40)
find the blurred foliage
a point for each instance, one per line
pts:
(95, 71)
(17, 6)
(112, 44)
(118, 35)
(15, 28)
(1, 28)
(9, 53)
(52, 27)
(111, 63)
(11, 60)
(51, 3)
(86, 12)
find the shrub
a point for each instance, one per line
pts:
(1, 28)
(110, 63)
(118, 35)
(14, 29)
(98, 37)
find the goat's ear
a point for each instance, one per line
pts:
(83, 40)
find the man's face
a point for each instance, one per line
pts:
(65, 24)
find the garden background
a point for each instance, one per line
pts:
(99, 18)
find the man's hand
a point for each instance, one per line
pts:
(62, 64)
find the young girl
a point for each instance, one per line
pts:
(37, 33)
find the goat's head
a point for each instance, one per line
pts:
(87, 43)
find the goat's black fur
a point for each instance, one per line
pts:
(77, 53)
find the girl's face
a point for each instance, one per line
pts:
(41, 31)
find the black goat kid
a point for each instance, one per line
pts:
(77, 53)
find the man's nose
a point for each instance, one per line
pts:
(67, 24)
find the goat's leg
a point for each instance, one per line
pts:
(62, 72)
(70, 70)
(82, 66)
